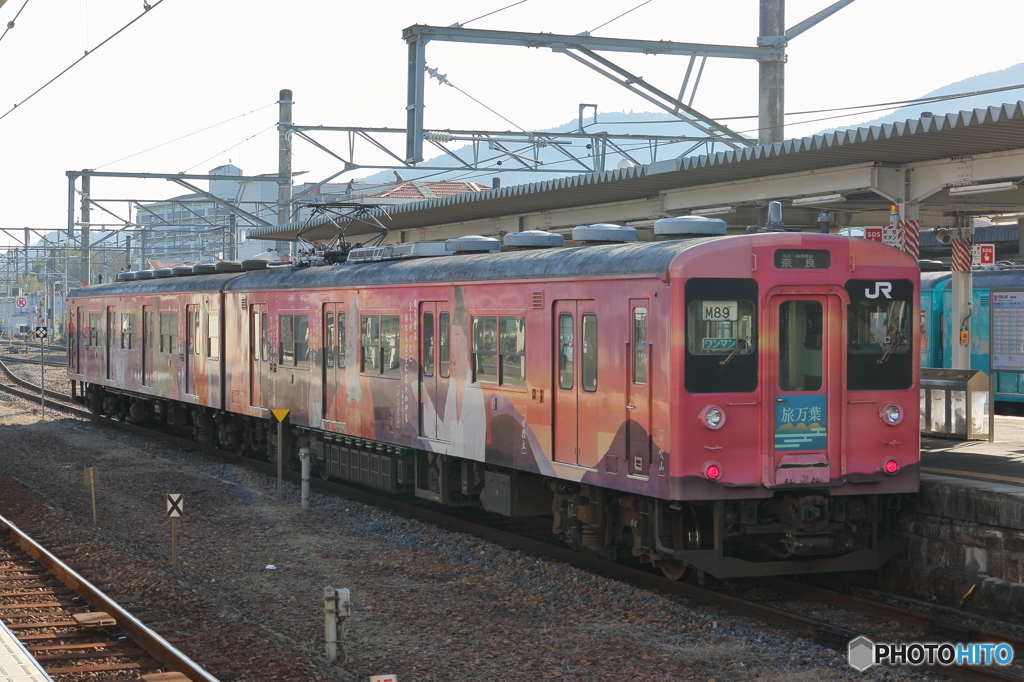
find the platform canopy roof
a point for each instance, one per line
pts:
(934, 162)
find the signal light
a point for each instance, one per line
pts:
(713, 472)
(891, 467)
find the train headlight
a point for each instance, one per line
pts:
(713, 472)
(891, 414)
(712, 417)
(891, 466)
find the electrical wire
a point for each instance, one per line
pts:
(10, 24)
(178, 139)
(619, 17)
(444, 81)
(77, 61)
(490, 13)
(224, 151)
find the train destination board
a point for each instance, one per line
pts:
(1007, 331)
(803, 259)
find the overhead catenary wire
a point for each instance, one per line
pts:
(459, 25)
(620, 16)
(79, 60)
(10, 24)
(178, 139)
(227, 149)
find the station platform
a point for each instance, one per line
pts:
(1001, 461)
(17, 664)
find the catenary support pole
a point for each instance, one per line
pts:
(284, 163)
(85, 275)
(771, 75)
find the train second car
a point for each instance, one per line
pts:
(743, 405)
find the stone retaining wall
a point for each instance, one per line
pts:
(962, 533)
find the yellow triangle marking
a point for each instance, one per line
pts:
(281, 414)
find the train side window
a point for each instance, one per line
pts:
(301, 340)
(512, 351)
(264, 338)
(389, 350)
(444, 341)
(168, 332)
(128, 331)
(213, 335)
(485, 355)
(565, 351)
(721, 335)
(294, 340)
(342, 349)
(639, 345)
(329, 341)
(427, 332)
(94, 329)
(148, 330)
(371, 344)
(588, 370)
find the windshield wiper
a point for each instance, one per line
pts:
(739, 346)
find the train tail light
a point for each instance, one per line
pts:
(713, 472)
(891, 466)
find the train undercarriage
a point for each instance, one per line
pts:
(793, 531)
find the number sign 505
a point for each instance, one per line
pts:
(720, 311)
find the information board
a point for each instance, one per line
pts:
(1007, 331)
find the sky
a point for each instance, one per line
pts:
(216, 66)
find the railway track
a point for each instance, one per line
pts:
(813, 600)
(72, 629)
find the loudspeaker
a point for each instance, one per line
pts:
(943, 236)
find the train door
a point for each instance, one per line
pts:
(259, 352)
(75, 339)
(111, 336)
(435, 369)
(575, 396)
(334, 361)
(148, 343)
(192, 346)
(638, 389)
(804, 386)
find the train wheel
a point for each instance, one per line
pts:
(674, 569)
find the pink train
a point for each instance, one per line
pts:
(742, 405)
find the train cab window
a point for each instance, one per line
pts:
(427, 332)
(721, 335)
(800, 342)
(95, 324)
(444, 357)
(566, 369)
(169, 332)
(213, 335)
(639, 345)
(128, 331)
(588, 368)
(879, 335)
(329, 340)
(294, 340)
(499, 350)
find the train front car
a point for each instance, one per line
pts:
(795, 421)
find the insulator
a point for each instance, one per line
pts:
(438, 136)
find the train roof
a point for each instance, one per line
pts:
(635, 258)
(599, 260)
(983, 279)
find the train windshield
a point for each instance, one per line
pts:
(721, 335)
(879, 334)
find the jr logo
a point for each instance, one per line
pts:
(881, 289)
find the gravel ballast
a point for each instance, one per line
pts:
(429, 604)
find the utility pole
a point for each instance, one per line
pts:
(284, 163)
(85, 276)
(127, 252)
(771, 75)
